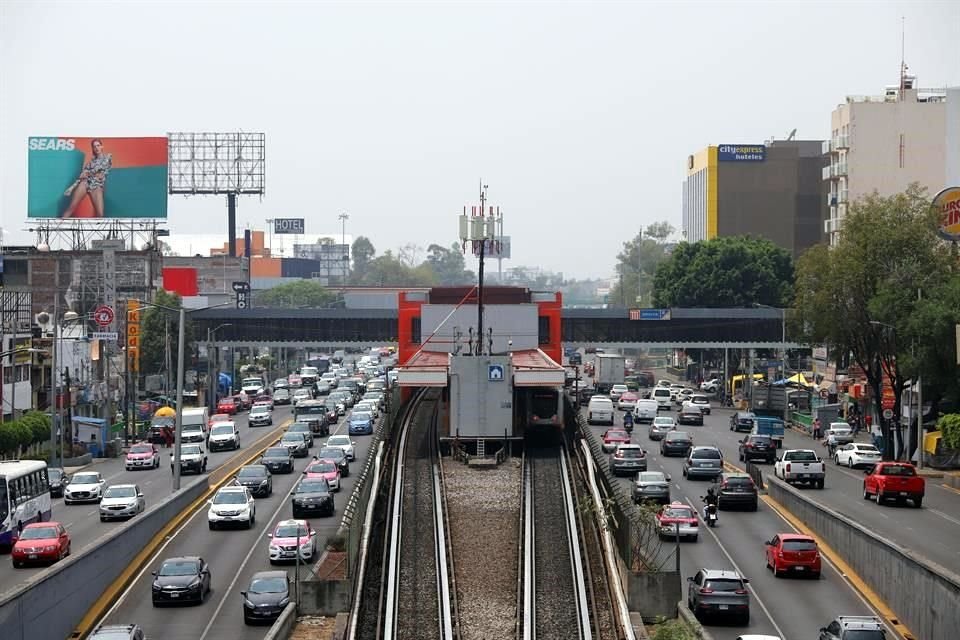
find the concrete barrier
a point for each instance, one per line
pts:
(923, 594)
(49, 605)
(283, 627)
(691, 620)
(79, 461)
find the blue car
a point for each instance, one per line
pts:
(361, 424)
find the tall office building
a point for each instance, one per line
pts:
(771, 190)
(885, 143)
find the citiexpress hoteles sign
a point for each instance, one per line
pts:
(947, 205)
(741, 153)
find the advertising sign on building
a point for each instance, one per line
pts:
(288, 226)
(133, 335)
(74, 177)
(947, 205)
(741, 153)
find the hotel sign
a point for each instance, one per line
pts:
(741, 153)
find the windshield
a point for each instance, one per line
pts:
(252, 472)
(230, 497)
(677, 512)
(120, 492)
(260, 408)
(739, 481)
(338, 440)
(898, 470)
(179, 568)
(760, 440)
(322, 467)
(706, 454)
(85, 478)
(630, 453)
(678, 436)
(361, 416)
(724, 584)
(290, 531)
(192, 427)
(292, 438)
(37, 533)
(801, 456)
(618, 434)
(268, 585)
(866, 448)
(276, 452)
(222, 429)
(141, 448)
(663, 422)
(190, 450)
(313, 486)
(54, 474)
(311, 410)
(331, 452)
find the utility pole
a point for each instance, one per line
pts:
(178, 425)
(343, 217)
(53, 361)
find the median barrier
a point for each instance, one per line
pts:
(284, 625)
(49, 605)
(923, 594)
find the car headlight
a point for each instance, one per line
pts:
(284, 602)
(248, 604)
(157, 587)
(274, 548)
(195, 584)
(305, 546)
(263, 482)
(50, 547)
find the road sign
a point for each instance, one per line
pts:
(105, 335)
(495, 373)
(887, 414)
(103, 315)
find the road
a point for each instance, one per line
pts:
(83, 520)
(786, 607)
(234, 556)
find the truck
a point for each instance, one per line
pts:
(801, 466)
(608, 371)
(770, 399)
(769, 426)
(894, 481)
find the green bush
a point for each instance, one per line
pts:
(336, 543)
(39, 425)
(673, 630)
(949, 426)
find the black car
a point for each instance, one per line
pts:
(337, 455)
(266, 597)
(278, 460)
(312, 495)
(585, 394)
(281, 396)
(742, 421)
(305, 428)
(297, 443)
(737, 490)
(676, 443)
(57, 479)
(757, 447)
(182, 579)
(256, 478)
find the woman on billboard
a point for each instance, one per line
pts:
(92, 181)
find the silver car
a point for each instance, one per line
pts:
(719, 592)
(661, 427)
(653, 486)
(121, 501)
(703, 462)
(628, 459)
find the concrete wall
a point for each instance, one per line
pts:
(479, 407)
(54, 601)
(924, 595)
(325, 597)
(653, 595)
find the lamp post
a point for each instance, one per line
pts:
(178, 424)
(783, 354)
(213, 381)
(343, 217)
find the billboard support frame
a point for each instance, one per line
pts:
(79, 234)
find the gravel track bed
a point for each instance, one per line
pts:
(483, 509)
(417, 599)
(556, 603)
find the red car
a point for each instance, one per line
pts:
(41, 542)
(264, 399)
(894, 481)
(674, 514)
(614, 437)
(788, 552)
(227, 406)
(219, 417)
(326, 469)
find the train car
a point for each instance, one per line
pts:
(540, 408)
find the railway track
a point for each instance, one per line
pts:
(554, 587)
(417, 601)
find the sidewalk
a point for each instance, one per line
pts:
(72, 470)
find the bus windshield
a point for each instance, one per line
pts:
(4, 501)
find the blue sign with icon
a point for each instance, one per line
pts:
(495, 372)
(741, 153)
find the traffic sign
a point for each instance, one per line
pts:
(649, 314)
(103, 315)
(887, 414)
(105, 335)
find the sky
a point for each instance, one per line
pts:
(578, 116)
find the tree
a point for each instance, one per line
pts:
(448, 265)
(861, 297)
(388, 271)
(298, 294)
(153, 333)
(637, 264)
(363, 253)
(725, 272)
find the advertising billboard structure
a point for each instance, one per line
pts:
(93, 178)
(741, 153)
(947, 205)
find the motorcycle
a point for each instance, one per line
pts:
(628, 423)
(710, 514)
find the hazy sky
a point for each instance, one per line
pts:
(579, 116)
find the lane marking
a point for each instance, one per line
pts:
(948, 488)
(256, 543)
(733, 562)
(845, 570)
(944, 516)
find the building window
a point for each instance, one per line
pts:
(543, 325)
(415, 330)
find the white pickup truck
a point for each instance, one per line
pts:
(801, 465)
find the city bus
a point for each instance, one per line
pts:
(24, 497)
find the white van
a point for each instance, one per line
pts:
(645, 411)
(662, 396)
(194, 417)
(600, 410)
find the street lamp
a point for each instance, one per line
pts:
(783, 353)
(343, 217)
(213, 377)
(178, 424)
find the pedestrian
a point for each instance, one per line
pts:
(877, 434)
(817, 429)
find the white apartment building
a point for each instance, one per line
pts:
(884, 143)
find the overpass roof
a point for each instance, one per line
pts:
(612, 313)
(531, 368)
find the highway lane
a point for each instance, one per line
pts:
(83, 520)
(234, 556)
(786, 607)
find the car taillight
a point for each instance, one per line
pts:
(693, 523)
(704, 591)
(788, 467)
(741, 592)
(723, 485)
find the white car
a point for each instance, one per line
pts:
(232, 505)
(301, 394)
(369, 406)
(121, 501)
(224, 435)
(857, 454)
(85, 486)
(710, 386)
(617, 390)
(344, 443)
(286, 536)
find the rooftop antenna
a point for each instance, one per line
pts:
(791, 135)
(903, 62)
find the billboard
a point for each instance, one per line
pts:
(947, 205)
(73, 177)
(741, 153)
(288, 225)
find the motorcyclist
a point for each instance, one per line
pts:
(628, 422)
(710, 502)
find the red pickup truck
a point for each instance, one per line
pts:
(894, 481)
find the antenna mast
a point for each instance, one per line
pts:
(903, 55)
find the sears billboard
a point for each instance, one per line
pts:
(741, 153)
(74, 177)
